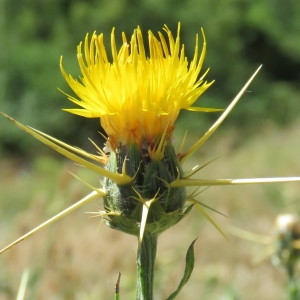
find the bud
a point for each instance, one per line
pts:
(124, 203)
(287, 241)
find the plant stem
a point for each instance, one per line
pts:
(145, 267)
(294, 289)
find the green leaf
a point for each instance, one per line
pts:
(117, 287)
(189, 266)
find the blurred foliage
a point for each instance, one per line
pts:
(241, 35)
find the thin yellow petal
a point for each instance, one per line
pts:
(137, 97)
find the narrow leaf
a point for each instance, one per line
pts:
(189, 266)
(117, 287)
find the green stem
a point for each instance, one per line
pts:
(145, 267)
(294, 289)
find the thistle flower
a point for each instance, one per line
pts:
(138, 96)
(138, 99)
(283, 247)
(287, 240)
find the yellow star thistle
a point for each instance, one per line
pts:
(121, 97)
(282, 246)
(137, 97)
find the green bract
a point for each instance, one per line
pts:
(124, 203)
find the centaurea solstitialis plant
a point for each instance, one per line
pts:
(138, 97)
(287, 251)
(282, 246)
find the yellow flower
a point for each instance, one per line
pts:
(136, 96)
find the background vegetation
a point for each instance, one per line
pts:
(79, 257)
(76, 258)
(241, 35)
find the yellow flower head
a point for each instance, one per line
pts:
(136, 96)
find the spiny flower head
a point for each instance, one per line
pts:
(136, 96)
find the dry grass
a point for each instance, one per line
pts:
(79, 257)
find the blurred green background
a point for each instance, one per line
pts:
(78, 259)
(241, 35)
